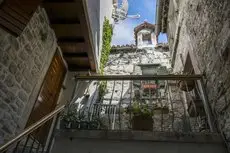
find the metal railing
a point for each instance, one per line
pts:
(174, 103)
(28, 140)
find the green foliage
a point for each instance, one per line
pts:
(102, 88)
(106, 47)
(106, 44)
(72, 115)
(140, 109)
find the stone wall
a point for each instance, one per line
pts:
(23, 64)
(123, 63)
(205, 35)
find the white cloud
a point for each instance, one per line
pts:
(123, 34)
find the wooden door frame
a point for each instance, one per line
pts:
(57, 53)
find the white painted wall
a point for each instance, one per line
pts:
(97, 10)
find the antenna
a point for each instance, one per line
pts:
(121, 13)
(137, 16)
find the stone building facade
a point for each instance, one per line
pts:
(203, 37)
(24, 62)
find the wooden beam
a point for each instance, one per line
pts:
(63, 10)
(81, 61)
(71, 40)
(9, 27)
(64, 21)
(12, 20)
(83, 54)
(67, 30)
(86, 31)
(72, 47)
(60, 1)
(16, 14)
(76, 68)
(78, 62)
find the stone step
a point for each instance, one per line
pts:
(141, 135)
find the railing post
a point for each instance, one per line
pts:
(207, 108)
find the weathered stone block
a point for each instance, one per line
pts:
(3, 87)
(2, 135)
(20, 106)
(9, 81)
(5, 43)
(2, 95)
(14, 43)
(35, 72)
(12, 53)
(28, 49)
(38, 63)
(1, 67)
(28, 34)
(14, 107)
(5, 59)
(21, 66)
(13, 68)
(10, 96)
(19, 77)
(3, 74)
(8, 126)
(41, 18)
(23, 96)
(7, 116)
(24, 55)
(26, 86)
(3, 105)
(28, 76)
(22, 40)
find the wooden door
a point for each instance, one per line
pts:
(48, 96)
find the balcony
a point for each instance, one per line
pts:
(111, 113)
(129, 103)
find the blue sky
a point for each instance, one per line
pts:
(123, 32)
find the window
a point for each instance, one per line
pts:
(147, 39)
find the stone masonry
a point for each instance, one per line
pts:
(205, 35)
(23, 63)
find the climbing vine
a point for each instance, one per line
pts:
(106, 47)
(106, 44)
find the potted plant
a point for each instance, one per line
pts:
(67, 119)
(141, 116)
(70, 117)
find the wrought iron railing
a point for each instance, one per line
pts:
(174, 103)
(30, 140)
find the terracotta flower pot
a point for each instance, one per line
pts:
(142, 123)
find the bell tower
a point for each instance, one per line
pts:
(145, 35)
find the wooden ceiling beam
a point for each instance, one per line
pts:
(76, 68)
(67, 30)
(74, 47)
(64, 21)
(86, 31)
(71, 40)
(83, 54)
(80, 62)
(63, 10)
